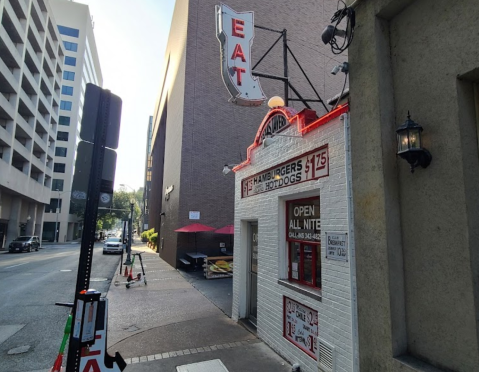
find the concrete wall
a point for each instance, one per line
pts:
(335, 309)
(416, 234)
(171, 98)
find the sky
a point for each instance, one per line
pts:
(131, 38)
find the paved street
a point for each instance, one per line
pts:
(177, 319)
(31, 284)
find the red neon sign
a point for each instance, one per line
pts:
(305, 121)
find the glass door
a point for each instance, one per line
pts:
(253, 273)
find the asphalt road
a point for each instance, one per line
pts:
(31, 326)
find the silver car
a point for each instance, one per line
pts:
(112, 245)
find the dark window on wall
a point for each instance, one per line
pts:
(54, 204)
(70, 61)
(65, 105)
(57, 185)
(304, 241)
(69, 75)
(68, 31)
(61, 151)
(59, 167)
(62, 136)
(64, 120)
(67, 90)
(70, 46)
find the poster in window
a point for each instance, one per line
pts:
(303, 218)
(301, 326)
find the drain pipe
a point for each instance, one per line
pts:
(352, 251)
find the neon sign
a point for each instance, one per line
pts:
(235, 32)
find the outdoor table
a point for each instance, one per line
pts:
(195, 256)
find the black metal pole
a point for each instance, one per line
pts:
(264, 55)
(122, 247)
(285, 61)
(128, 250)
(130, 227)
(91, 214)
(309, 81)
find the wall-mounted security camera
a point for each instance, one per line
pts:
(330, 32)
(343, 67)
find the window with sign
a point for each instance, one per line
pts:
(304, 241)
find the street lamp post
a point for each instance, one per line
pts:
(55, 238)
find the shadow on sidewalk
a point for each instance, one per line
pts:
(218, 291)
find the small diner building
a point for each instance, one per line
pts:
(294, 276)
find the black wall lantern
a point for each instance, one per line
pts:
(410, 144)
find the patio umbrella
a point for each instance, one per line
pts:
(228, 229)
(194, 228)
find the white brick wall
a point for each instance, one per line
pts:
(268, 209)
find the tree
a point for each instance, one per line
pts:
(120, 209)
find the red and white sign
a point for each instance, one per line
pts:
(306, 167)
(235, 31)
(96, 359)
(301, 326)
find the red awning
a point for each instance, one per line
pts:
(195, 227)
(229, 229)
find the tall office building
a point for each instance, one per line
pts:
(82, 66)
(147, 184)
(31, 68)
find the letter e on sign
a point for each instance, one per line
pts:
(237, 27)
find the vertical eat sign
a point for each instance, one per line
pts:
(235, 31)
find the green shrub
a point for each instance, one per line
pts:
(154, 239)
(149, 233)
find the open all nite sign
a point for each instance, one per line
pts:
(235, 31)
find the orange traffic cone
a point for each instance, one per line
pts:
(131, 275)
(126, 271)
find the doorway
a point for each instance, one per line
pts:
(253, 272)
(3, 233)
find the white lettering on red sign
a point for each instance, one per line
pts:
(235, 31)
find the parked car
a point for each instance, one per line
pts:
(112, 245)
(24, 244)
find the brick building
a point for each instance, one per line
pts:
(196, 130)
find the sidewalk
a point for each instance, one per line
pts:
(169, 323)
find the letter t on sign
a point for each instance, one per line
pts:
(238, 71)
(237, 27)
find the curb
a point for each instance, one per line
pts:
(172, 354)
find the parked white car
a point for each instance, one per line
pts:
(112, 245)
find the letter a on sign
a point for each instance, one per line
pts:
(92, 366)
(235, 31)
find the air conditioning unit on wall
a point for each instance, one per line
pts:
(326, 357)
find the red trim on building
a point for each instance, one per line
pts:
(306, 121)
